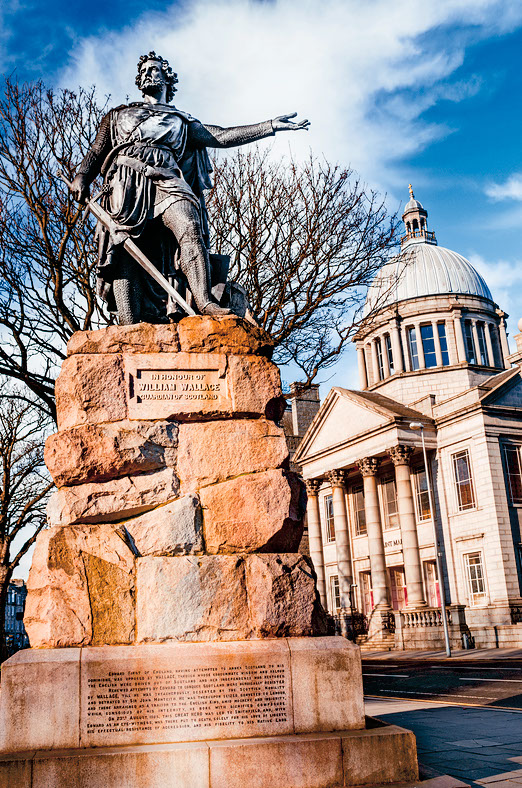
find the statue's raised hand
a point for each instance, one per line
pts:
(283, 123)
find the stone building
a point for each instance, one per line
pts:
(16, 636)
(433, 353)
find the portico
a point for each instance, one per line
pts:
(434, 353)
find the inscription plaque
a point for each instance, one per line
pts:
(160, 385)
(169, 702)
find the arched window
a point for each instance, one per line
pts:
(415, 225)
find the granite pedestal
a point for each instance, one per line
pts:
(177, 634)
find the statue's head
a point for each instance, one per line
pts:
(150, 79)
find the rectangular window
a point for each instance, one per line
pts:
(484, 358)
(389, 501)
(328, 510)
(412, 342)
(470, 345)
(463, 480)
(380, 363)
(428, 346)
(441, 328)
(389, 352)
(475, 578)
(432, 583)
(513, 473)
(422, 498)
(365, 585)
(359, 510)
(335, 593)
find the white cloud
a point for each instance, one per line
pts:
(509, 190)
(362, 72)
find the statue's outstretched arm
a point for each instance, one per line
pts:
(207, 136)
(91, 164)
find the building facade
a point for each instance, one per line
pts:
(434, 364)
(15, 634)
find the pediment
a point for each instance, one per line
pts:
(508, 395)
(340, 418)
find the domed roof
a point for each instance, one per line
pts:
(413, 205)
(424, 269)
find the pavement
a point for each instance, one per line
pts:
(493, 655)
(475, 746)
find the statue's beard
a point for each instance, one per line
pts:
(152, 86)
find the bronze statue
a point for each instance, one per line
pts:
(155, 165)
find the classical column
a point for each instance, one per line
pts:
(342, 537)
(474, 331)
(436, 341)
(315, 536)
(420, 349)
(396, 347)
(503, 338)
(361, 361)
(459, 337)
(381, 598)
(400, 456)
(489, 344)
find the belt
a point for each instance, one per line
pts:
(154, 173)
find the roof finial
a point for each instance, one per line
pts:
(411, 191)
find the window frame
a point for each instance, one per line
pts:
(469, 343)
(380, 360)
(387, 515)
(473, 600)
(482, 348)
(329, 523)
(416, 472)
(335, 594)
(517, 448)
(389, 352)
(358, 531)
(411, 334)
(428, 354)
(443, 342)
(458, 484)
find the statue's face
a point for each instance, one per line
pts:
(152, 79)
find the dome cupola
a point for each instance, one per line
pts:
(415, 218)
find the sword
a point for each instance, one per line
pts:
(134, 251)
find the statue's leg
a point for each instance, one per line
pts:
(127, 291)
(182, 218)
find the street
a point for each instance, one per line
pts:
(475, 685)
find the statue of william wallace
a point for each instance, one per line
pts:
(155, 165)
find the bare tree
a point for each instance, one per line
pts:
(24, 486)
(305, 240)
(47, 254)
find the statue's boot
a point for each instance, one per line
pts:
(214, 309)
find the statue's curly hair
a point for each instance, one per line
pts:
(171, 78)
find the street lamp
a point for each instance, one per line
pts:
(417, 425)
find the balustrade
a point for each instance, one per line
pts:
(427, 617)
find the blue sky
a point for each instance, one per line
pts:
(405, 92)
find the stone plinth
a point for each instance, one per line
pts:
(177, 635)
(108, 696)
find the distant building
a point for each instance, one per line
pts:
(16, 636)
(434, 351)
